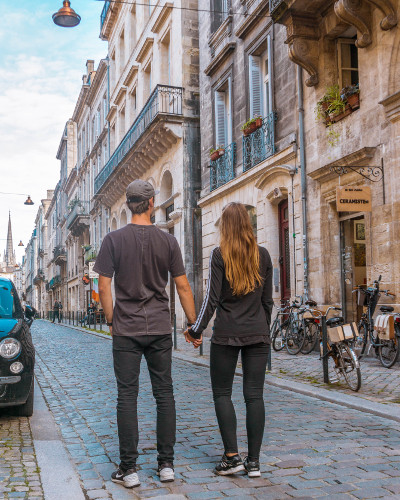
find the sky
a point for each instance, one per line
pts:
(41, 68)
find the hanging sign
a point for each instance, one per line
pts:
(92, 274)
(353, 199)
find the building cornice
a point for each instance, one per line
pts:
(131, 74)
(146, 47)
(96, 82)
(220, 58)
(162, 17)
(253, 18)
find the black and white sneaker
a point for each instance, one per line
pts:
(252, 467)
(128, 478)
(229, 465)
(166, 472)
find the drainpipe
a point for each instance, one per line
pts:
(108, 104)
(303, 178)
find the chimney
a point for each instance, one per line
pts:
(89, 66)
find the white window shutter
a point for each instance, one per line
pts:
(220, 119)
(255, 87)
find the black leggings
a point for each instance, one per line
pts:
(223, 361)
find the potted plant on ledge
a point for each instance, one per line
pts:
(252, 125)
(351, 95)
(216, 153)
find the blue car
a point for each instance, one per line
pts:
(17, 354)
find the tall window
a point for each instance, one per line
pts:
(223, 115)
(121, 50)
(147, 81)
(133, 27)
(105, 108)
(260, 89)
(166, 60)
(219, 12)
(348, 62)
(98, 122)
(132, 105)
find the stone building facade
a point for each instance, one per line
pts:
(154, 120)
(245, 72)
(349, 44)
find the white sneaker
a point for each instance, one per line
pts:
(129, 478)
(166, 472)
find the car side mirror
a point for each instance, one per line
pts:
(30, 313)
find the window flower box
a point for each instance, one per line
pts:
(252, 125)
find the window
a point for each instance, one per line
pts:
(93, 132)
(260, 88)
(105, 108)
(220, 9)
(133, 27)
(98, 122)
(168, 211)
(147, 81)
(132, 104)
(223, 120)
(166, 60)
(104, 153)
(348, 62)
(121, 51)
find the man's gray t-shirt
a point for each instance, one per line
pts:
(139, 258)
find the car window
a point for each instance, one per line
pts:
(9, 303)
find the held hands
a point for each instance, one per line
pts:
(196, 342)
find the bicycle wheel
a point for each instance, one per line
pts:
(389, 350)
(294, 337)
(350, 367)
(278, 336)
(335, 372)
(360, 343)
(311, 336)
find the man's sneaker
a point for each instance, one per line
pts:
(166, 472)
(229, 465)
(252, 467)
(128, 478)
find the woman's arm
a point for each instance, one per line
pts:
(266, 297)
(213, 293)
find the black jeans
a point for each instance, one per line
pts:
(56, 314)
(223, 361)
(127, 353)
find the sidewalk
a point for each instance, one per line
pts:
(303, 374)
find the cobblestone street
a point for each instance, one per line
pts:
(311, 448)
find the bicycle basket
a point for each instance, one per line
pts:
(362, 297)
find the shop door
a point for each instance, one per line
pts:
(353, 264)
(284, 250)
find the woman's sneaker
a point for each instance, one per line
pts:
(229, 465)
(252, 467)
(166, 472)
(128, 478)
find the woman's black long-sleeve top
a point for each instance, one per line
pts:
(240, 320)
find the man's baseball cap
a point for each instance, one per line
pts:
(139, 191)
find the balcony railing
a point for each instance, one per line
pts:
(78, 218)
(60, 255)
(260, 144)
(90, 254)
(223, 169)
(163, 100)
(103, 14)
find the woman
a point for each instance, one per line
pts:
(240, 289)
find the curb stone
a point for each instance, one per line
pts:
(384, 410)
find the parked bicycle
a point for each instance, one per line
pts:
(287, 329)
(387, 350)
(343, 364)
(311, 322)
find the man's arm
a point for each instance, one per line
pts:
(186, 297)
(106, 298)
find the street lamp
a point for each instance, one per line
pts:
(20, 244)
(66, 17)
(28, 201)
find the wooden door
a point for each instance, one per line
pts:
(284, 249)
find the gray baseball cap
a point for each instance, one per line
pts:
(139, 191)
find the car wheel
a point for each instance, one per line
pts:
(26, 410)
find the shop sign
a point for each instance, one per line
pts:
(353, 199)
(92, 274)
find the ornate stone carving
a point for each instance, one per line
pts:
(354, 12)
(390, 19)
(303, 44)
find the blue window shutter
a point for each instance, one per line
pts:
(220, 119)
(255, 87)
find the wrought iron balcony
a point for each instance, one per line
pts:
(223, 169)
(260, 144)
(60, 255)
(39, 277)
(90, 254)
(78, 218)
(103, 14)
(164, 100)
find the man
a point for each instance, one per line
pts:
(56, 311)
(60, 306)
(139, 256)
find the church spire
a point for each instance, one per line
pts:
(9, 256)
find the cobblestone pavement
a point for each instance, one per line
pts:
(378, 383)
(19, 473)
(311, 448)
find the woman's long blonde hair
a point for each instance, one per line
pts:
(239, 250)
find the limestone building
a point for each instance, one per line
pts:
(350, 49)
(245, 73)
(154, 120)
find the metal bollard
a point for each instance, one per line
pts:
(73, 318)
(324, 349)
(175, 334)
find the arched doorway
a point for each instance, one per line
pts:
(124, 219)
(114, 226)
(284, 249)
